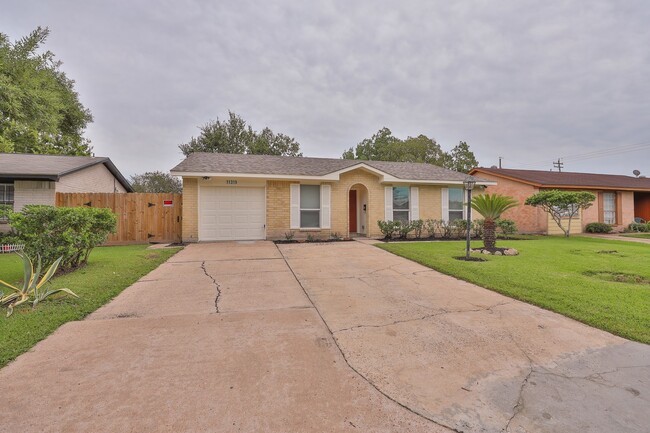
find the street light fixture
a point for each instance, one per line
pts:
(469, 184)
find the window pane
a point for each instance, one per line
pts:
(401, 215)
(309, 218)
(309, 196)
(400, 197)
(455, 199)
(455, 215)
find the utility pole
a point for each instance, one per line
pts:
(559, 165)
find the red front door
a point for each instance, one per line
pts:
(353, 210)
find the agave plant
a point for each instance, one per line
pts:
(491, 207)
(31, 286)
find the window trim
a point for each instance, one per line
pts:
(319, 209)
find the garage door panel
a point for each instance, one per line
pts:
(229, 213)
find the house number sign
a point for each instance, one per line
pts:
(231, 182)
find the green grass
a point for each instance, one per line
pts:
(637, 235)
(109, 271)
(602, 283)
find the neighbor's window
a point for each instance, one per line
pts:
(566, 213)
(456, 209)
(609, 208)
(401, 204)
(309, 206)
(6, 198)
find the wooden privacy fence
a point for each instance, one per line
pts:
(141, 217)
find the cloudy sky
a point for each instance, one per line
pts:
(530, 81)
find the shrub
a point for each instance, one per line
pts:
(418, 226)
(311, 238)
(478, 228)
(289, 235)
(507, 227)
(431, 227)
(336, 236)
(459, 228)
(445, 228)
(403, 229)
(598, 228)
(387, 228)
(69, 233)
(637, 227)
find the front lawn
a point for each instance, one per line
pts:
(603, 283)
(109, 271)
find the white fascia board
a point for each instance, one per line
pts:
(432, 182)
(328, 177)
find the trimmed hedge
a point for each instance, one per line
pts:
(54, 232)
(598, 228)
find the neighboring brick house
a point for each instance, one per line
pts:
(35, 179)
(238, 197)
(619, 199)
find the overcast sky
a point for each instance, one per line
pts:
(527, 80)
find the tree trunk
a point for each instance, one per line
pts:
(489, 233)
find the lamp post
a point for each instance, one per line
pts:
(469, 183)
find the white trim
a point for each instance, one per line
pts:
(414, 204)
(388, 203)
(333, 176)
(325, 206)
(444, 198)
(294, 206)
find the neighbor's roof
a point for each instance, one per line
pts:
(565, 179)
(276, 166)
(52, 167)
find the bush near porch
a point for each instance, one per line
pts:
(600, 282)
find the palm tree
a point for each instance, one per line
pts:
(491, 207)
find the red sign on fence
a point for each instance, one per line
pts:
(168, 203)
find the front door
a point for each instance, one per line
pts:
(353, 210)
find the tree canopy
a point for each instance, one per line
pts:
(235, 136)
(156, 181)
(562, 205)
(384, 146)
(40, 111)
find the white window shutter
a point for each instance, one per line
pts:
(415, 203)
(444, 193)
(388, 203)
(325, 206)
(295, 206)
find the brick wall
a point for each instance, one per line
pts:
(528, 219)
(278, 209)
(97, 178)
(190, 210)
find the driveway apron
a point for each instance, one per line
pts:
(220, 338)
(469, 358)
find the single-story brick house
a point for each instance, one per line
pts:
(35, 179)
(619, 199)
(240, 197)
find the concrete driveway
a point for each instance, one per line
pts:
(322, 337)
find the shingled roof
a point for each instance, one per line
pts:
(554, 179)
(52, 167)
(223, 163)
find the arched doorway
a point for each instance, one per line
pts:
(358, 210)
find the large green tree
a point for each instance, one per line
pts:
(235, 136)
(156, 181)
(384, 146)
(40, 111)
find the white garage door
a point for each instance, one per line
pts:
(229, 213)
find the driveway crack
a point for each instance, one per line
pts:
(347, 362)
(217, 286)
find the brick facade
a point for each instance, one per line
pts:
(278, 209)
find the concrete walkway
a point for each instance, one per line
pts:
(231, 337)
(616, 238)
(221, 338)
